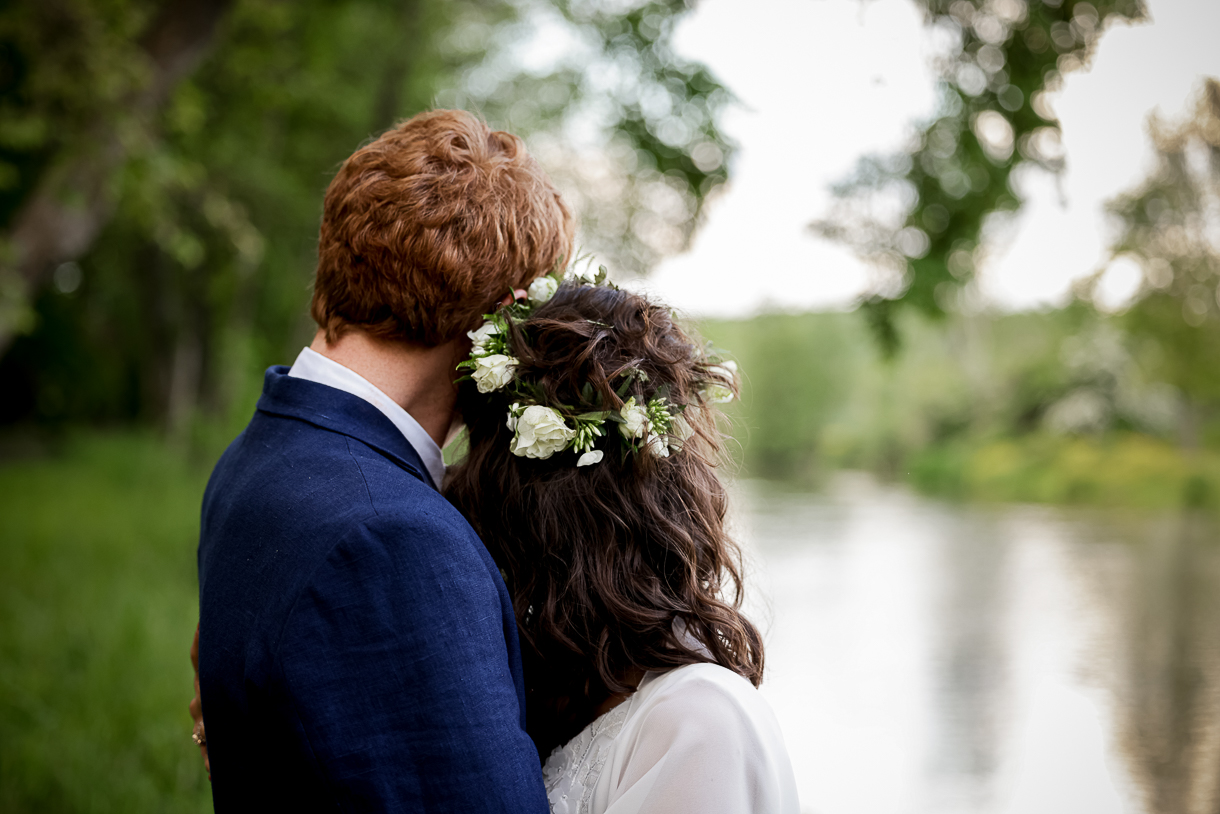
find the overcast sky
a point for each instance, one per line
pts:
(823, 82)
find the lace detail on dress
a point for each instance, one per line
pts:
(572, 770)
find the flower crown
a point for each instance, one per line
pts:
(540, 430)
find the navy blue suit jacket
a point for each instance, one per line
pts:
(357, 647)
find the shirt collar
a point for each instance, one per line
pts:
(313, 366)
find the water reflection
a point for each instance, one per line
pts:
(1167, 594)
(969, 660)
(932, 658)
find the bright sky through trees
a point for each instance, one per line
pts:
(822, 82)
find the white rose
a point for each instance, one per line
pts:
(514, 414)
(493, 372)
(480, 337)
(591, 457)
(543, 289)
(719, 393)
(681, 431)
(635, 420)
(540, 433)
(586, 275)
(657, 446)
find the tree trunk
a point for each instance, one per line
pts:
(389, 98)
(72, 203)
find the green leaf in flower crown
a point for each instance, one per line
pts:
(532, 391)
(598, 416)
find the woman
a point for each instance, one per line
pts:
(591, 478)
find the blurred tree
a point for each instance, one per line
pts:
(629, 129)
(1168, 225)
(200, 275)
(204, 267)
(919, 216)
(799, 372)
(79, 83)
(817, 394)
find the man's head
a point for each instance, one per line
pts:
(425, 229)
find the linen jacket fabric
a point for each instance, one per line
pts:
(357, 646)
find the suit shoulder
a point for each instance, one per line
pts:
(393, 487)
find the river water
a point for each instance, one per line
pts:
(933, 658)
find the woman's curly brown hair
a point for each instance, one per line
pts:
(607, 564)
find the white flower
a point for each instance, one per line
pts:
(657, 446)
(480, 337)
(717, 394)
(635, 420)
(680, 430)
(540, 433)
(493, 372)
(721, 392)
(591, 457)
(514, 413)
(586, 275)
(543, 289)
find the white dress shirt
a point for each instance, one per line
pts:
(314, 367)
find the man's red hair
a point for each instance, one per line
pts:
(425, 229)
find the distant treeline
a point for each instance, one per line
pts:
(1059, 405)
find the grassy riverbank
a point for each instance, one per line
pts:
(1047, 407)
(1132, 471)
(97, 609)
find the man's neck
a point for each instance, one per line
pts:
(419, 379)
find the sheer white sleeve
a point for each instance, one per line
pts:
(699, 740)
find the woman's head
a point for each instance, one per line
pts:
(610, 562)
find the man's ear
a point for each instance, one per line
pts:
(517, 294)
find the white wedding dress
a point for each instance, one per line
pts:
(698, 739)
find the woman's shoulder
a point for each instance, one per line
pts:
(700, 738)
(700, 674)
(706, 699)
(703, 679)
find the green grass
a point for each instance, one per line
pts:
(1122, 470)
(97, 610)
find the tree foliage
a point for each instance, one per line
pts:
(80, 87)
(919, 215)
(629, 129)
(1168, 225)
(197, 272)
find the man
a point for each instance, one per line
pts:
(357, 648)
